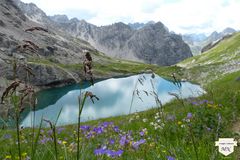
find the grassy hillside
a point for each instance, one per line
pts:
(211, 65)
(226, 51)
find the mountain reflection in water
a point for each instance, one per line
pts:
(115, 98)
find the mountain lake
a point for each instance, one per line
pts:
(116, 97)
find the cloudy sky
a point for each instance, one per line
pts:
(180, 16)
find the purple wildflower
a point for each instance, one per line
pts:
(129, 133)
(59, 130)
(85, 128)
(111, 141)
(100, 151)
(209, 129)
(89, 135)
(43, 141)
(136, 145)
(189, 115)
(59, 141)
(106, 124)
(98, 130)
(50, 132)
(195, 103)
(170, 158)
(123, 140)
(205, 101)
(141, 133)
(111, 153)
(116, 129)
(7, 136)
(118, 153)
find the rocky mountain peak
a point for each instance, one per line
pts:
(75, 20)
(201, 43)
(120, 26)
(83, 22)
(158, 27)
(59, 18)
(138, 25)
(32, 11)
(121, 40)
(228, 30)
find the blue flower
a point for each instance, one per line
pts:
(106, 124)
(59, 130)
(85, 128)
(7, 136)
(98, 130)
(111, 141)
(50, 132)
(123, 140)
(170, 158)
(189, 115)
(116, 129)
(89, 135)
(109, 153)
(100, 151)
(119, 153)
(209, 129)
(141, 133)
(136, 145)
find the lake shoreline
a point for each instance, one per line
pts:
(5, 108)
(115, 94)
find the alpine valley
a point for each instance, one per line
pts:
(49, 53)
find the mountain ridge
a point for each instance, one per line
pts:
(221, 59)
(118, 40)
(199, 42)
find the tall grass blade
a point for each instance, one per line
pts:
(36, 140)
(58, 116)
(81, 104)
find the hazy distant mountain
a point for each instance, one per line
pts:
(216, 36)
(192, 38)
(199, 41)
(151, 42)
(195, 42)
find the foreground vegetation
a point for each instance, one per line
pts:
(182, 129)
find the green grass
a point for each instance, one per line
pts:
(110, 66)
(225, 51)
(213, 115)
(172, 140)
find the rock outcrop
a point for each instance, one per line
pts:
(55, 49)
(151, 44)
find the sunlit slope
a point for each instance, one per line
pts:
(226, 52)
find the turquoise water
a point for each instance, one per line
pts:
(115, 96)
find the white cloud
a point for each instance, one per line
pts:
(180, 16)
